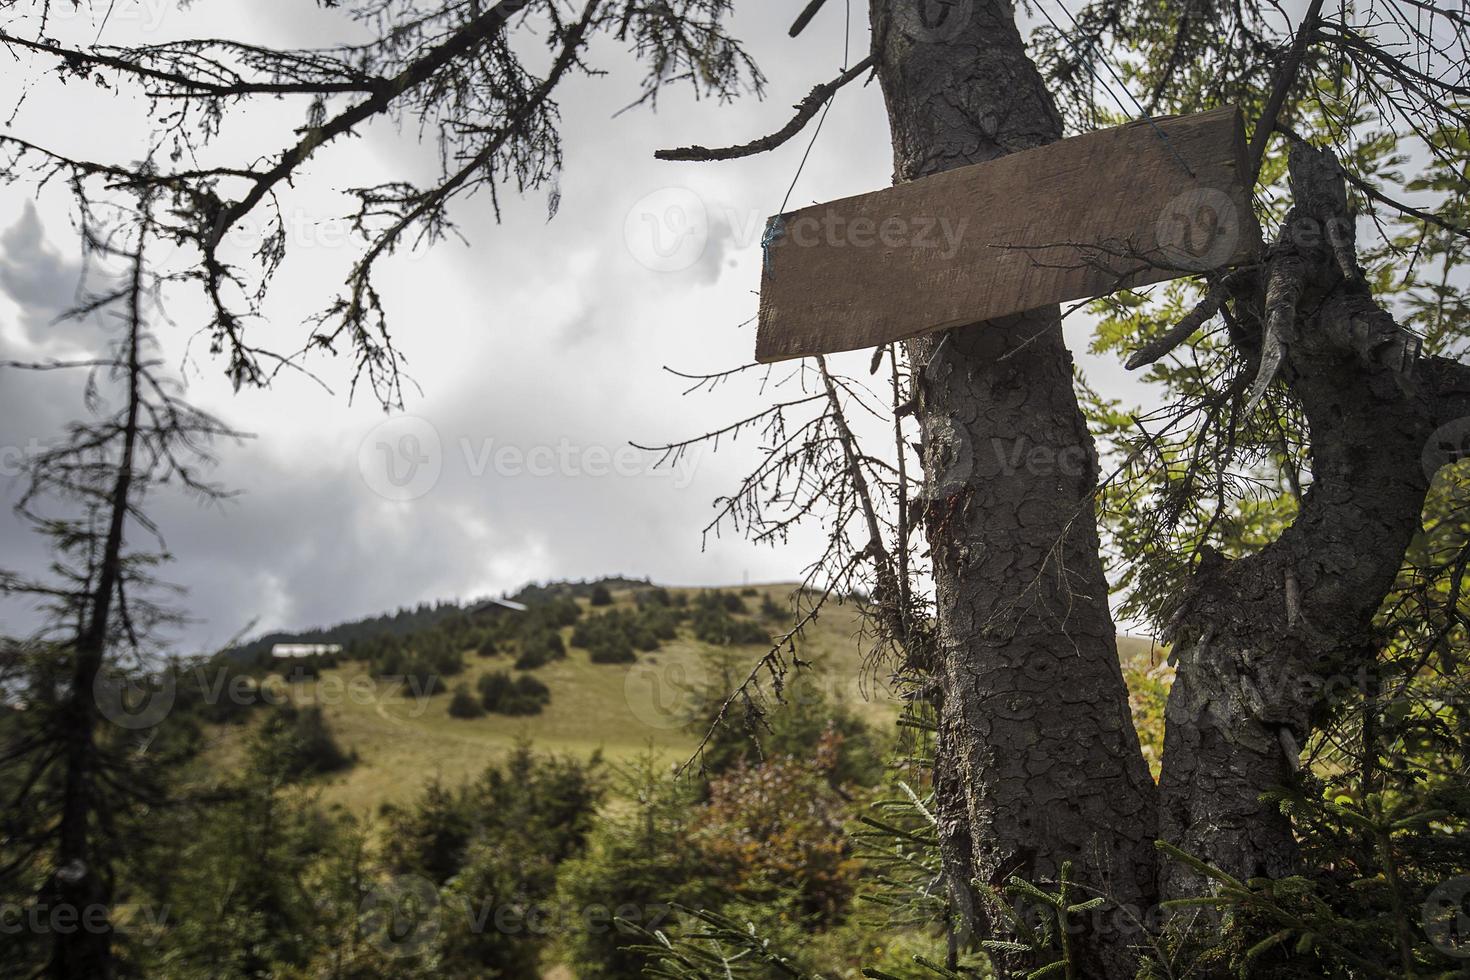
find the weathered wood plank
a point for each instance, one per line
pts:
(1079, 218)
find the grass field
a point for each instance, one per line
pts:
(403, 741)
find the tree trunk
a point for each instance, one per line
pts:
(1266, 642)
(1040, 763)
(79, 884)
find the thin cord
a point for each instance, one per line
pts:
(1103, 59)
(846, 57)
(777, 226)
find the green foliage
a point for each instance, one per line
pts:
(237, 903)
(614, 636)
(1045, 940)
(439, 645)
(715, 624)
(494, 847)
(719, 599)
(788, 729)
(601, 596)
(776, 832)
(356, 635)
(1370, 919)
(503, 694)
(770, 842)
(660, 597)
(465, 704)
(715, 946)
(1148, 694)
(640, 861)
(613, 649)
(297, 742)
(904, 895)
(431, 837)
(220, 691)
(539, 646)
(263, 883)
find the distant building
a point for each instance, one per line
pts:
(497, 606)
(295, 651)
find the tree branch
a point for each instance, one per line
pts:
(806, 110)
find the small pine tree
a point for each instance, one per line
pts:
(464, 704)
(296, 742)
(502, 694)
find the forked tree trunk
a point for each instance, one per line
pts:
(1265, 643)
(1039, 760)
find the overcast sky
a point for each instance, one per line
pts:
(538, 348)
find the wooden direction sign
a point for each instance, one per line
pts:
(1079, 218)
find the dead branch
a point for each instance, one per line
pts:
(806, 110)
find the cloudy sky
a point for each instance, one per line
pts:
(537, 349)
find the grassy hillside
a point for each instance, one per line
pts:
(403, 741)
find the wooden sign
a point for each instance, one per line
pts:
(1079, 218)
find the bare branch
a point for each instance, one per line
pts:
(806, 111)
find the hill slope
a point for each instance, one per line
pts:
(403, 740)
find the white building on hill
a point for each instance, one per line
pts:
(295, 651)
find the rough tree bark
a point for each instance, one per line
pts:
(1039, 762)
(1263, 641)
(81, 882)
(78, 883)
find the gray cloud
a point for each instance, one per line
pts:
(34, 275)
(536, 336)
